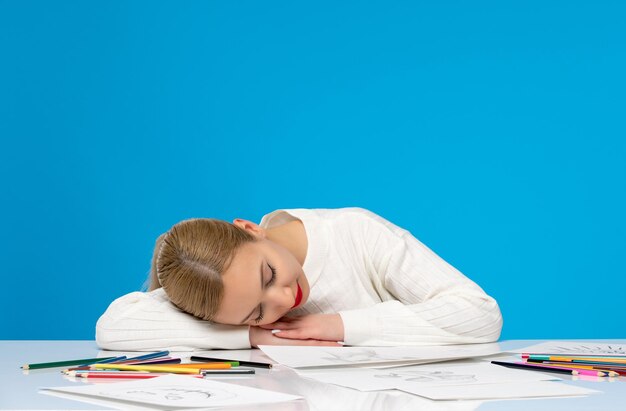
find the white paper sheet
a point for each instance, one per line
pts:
(423, 376)
(499, 391)
(575, 348)
(117, 405)
(310, 356)
(175, 391)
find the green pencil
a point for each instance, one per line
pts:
(62, 363)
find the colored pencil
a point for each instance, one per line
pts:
(244, 363)
(61, 363)
(107, 360)
(573, 363)
(149, 368)
(545, 368)
(148, 356)
(619, 360)
(205, 365)
(125, 375)
(165, 360)
(157, 361)
(86, 366)
(574, 355)
(593, 373)
(608, 370)
(236, 370)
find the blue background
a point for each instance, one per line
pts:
(494, 132)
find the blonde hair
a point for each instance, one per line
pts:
(190, 258)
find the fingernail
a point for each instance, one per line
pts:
(275, 331)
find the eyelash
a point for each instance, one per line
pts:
(269, 283)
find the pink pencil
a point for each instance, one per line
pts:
(573, 369)
(588, 372)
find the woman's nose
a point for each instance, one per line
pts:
(283, 297)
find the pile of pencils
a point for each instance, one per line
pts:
(146, 366)
(591, 365)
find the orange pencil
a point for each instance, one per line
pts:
(573, 358)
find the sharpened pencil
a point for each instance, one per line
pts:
(596, 359)
(610, 372)
(164, 360)
(204, 365)
(244, 363)
(150, 356)
(236, 370)
(63, 363)
(149, 368)
(125, 375)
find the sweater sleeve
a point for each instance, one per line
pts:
(433, 303)
(150, 322)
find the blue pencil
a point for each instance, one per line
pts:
(105, 361)
(146, 356)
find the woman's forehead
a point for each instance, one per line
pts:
(246, 260)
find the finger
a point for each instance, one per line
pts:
(297, 334)
(275, 325)
(316, 343)
(280, 325)
(289, 319)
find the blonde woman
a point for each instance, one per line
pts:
(301, 276)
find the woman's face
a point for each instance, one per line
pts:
(254, 294)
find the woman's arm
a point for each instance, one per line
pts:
(434, 303)
(149, 321)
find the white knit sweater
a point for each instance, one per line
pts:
(388, 287)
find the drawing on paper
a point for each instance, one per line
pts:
(429, 376)
(357, 355)
(590, 349)
(169, 394)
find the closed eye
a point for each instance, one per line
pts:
(273, 279)
(269, 284)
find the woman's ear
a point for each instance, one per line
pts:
(249, 226)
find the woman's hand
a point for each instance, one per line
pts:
(326, 327)
(261, 336)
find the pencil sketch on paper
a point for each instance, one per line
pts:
(169, 394)
(429, 376)
(360, 355)
(302, 357)
(174, 392)
(591, 349)
(575, 348)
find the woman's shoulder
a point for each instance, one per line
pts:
(346, 216)
(350, 214)
(325, 213)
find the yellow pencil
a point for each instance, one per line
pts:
(204, 365)
(149, 368)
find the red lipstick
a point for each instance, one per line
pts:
(298, 296)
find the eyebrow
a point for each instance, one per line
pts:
(255, 308)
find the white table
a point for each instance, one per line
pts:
(18, 389)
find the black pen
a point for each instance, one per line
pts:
(228, 371)
(244, 363)
(525, 366)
